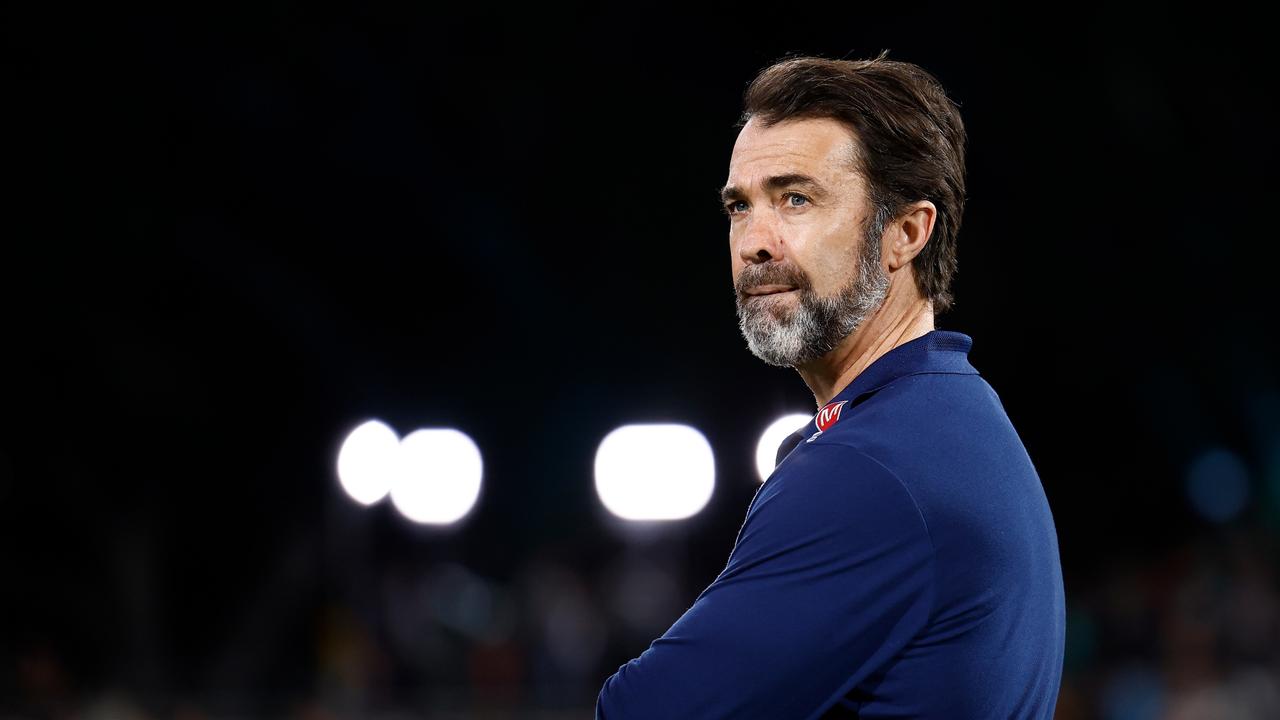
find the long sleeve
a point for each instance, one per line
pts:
(831, 576)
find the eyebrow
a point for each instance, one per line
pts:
(775, 182)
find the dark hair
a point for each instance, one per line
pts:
(908, 134)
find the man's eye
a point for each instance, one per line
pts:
(796, 200)
(735, 207)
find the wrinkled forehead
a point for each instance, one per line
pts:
(818, 147)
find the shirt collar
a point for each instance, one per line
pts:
(937, 351)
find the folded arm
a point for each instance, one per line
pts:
(831, 576)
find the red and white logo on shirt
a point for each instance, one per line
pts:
(828, 415)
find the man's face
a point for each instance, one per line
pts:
(804, 239)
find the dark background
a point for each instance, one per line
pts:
(235, 235)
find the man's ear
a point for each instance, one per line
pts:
(907, 235)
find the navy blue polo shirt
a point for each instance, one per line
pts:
(900, 562)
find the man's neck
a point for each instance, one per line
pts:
(898, 321)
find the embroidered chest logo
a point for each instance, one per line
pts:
(826, 417)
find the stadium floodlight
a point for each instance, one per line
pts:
(772, 437)
(367, 462)
(438, 476)
(654, 472)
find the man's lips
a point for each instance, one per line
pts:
(768, 289)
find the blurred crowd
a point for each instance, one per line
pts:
(1191, 633)
(1194, 633)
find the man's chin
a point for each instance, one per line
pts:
(771, 344)
(768, 355)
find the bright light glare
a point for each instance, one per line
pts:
(654, 472)
(772, 437)
(367, 462)
(438, 479)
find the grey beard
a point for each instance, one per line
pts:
(818, 324)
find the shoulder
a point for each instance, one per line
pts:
(926, 424)
(829, 467)
(835, 485)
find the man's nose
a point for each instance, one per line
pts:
(760, 240)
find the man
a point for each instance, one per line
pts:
(901, 560)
